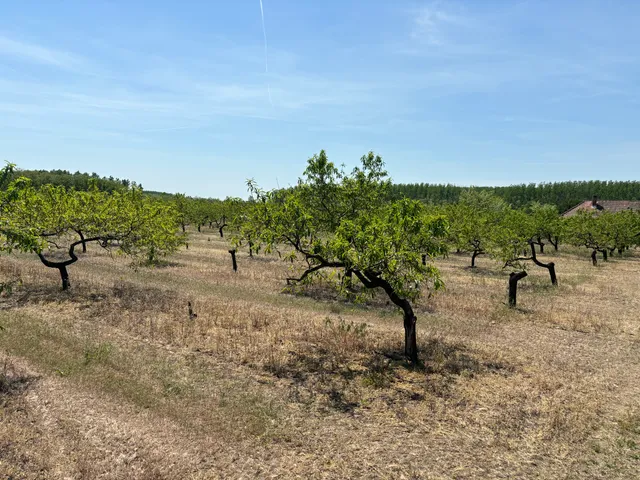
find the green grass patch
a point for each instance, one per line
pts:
(146, 377)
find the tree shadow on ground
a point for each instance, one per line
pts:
(13, 383)
(316, 372)
(485, 272)
(127, 295)
(359, 298)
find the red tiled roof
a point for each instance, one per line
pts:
(604, 206)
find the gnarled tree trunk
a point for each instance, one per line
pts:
(549, 266)
(410, 337)
(84, 243)
(473, 257)
(64, 275)
(372, 280)
(514, 277)
(61, 266)
(233, 260)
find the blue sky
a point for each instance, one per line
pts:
(177, 95)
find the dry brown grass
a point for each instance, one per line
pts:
(114, 380)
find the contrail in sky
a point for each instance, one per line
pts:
(266, 57)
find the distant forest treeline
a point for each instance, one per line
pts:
(79, 181)
(563, 194)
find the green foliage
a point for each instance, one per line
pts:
(152, 228)
(12, 237)
(511, 239)
(76, 181)
(547, 223)
(126, 221)
(585, 230)
(473, 220)
(207, 211)
(604, 231)
(6, 175)
(346, 328)
(97, 353)
(391, 240)
(334, 219)
(621, 229)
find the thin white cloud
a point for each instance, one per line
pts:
(100, 102)
(435, 23)
(159, 92)
(266, 54)
(38, 54)
(482, 48)
(147, 94)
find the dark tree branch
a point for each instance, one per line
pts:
(549, 266)
(510, 263)
(51, 234)
(372, 279)
(51, 242)
(52, 264)
(306, 273)
(74, 258)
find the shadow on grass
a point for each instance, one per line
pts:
(485, 272)
(385, 374)
(13, 383)
(360, 298)
(127, 295)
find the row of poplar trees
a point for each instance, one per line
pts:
(564, 195)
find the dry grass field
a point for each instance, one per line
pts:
(113, 379)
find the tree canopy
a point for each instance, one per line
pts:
(341, 220)
(473, 221)
(77, 180)
(51, 218)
